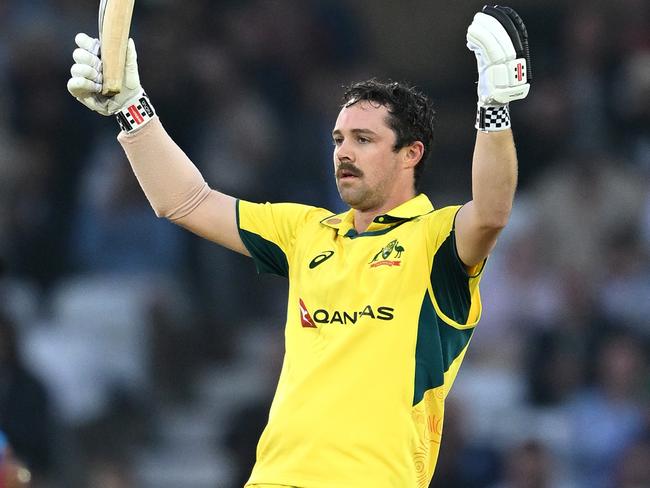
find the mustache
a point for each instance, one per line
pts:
(348, 168)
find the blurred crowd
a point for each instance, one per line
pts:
(132, 354)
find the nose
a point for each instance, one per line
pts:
(343, 152)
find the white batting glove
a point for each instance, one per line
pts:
(131, 105)
(86, 81)
(502, 75)
(499, 40)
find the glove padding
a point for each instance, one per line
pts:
(503, 71)
(86, 81)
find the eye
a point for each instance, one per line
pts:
(363, 140)
(337, 141)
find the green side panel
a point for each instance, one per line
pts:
(450, 282)
(438, 345)
(429, 367)
(453, 342)
(268, 256)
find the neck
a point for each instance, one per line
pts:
(362, 220)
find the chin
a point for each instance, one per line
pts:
(357, 202)
(350, 197)
(358, 198)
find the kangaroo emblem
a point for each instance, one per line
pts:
(382, 258)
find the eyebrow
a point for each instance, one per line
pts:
(369, 132)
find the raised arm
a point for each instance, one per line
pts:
(498, 38)
(173, 185)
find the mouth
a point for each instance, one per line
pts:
(347, 175)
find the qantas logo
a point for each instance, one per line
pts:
(320, 259)
(305, 318)
(343, 317)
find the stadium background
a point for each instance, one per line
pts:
(134, 355)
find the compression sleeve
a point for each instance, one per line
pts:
(171, 182)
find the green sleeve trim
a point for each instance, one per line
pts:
(450, 282)
(268, 256)
(438, 346)
(480, 268)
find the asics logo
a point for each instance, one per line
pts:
(320, 259)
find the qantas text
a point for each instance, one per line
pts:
(342, 317)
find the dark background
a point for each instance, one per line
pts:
(133, 354)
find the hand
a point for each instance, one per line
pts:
(499, 39)
(86, 81)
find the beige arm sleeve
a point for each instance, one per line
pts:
(171, 182)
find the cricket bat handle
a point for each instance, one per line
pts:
(114, 26)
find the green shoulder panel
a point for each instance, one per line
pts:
(450, 282)
(268, 256)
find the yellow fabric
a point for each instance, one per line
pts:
(269, 486)
(343, 414)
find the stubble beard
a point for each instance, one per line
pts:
(359, 197)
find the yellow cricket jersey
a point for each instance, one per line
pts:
(377, 326)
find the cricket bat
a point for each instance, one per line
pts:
(114, 26)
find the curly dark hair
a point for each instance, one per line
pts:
(411, 113)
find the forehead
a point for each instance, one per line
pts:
(363, 115)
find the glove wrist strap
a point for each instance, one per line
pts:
(492, 118)
(136, 113)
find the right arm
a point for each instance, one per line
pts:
(173, 185)
(175, 188)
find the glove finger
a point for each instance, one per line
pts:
(82, 56)
(132, 77)
(82, 87)
(90, 44)
(488, 33)
(472, 45)
(489, 45)
(501, 35)
(494, 36)
(85, 71)
(131, 54)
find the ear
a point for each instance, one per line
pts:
(412, 154)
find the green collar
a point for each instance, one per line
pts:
(416, 206)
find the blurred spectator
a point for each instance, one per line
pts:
(588, 54)
(462, 464)
(110, 473)
(249, 418)
(625, 285)
(115, 230)
(581, 202)
(25, 412)
(606, 419)
(634, 469)
(528, 465)
(634, 109)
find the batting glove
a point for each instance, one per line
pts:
(499, 40)
(131, 106)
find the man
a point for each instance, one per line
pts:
(383, 298)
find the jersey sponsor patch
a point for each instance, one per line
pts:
(343, 317)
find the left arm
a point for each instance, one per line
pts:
(494, 179)
(498, 38)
